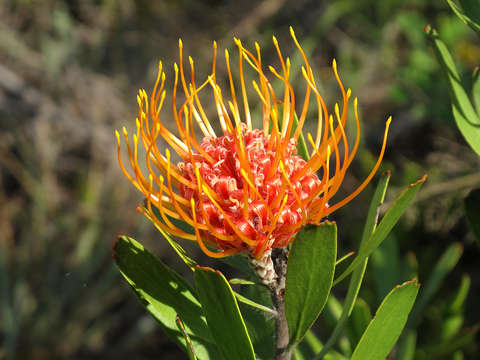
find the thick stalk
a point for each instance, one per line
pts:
(272, 270)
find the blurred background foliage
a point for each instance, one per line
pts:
(69, 73)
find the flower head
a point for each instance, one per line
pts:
(241, 189)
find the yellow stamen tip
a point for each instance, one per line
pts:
(389, 120)
(291, 31)
(167, 152)
(334, 64)
(227, 55)
(257, 46)
(125, 131)
(117, 135)
(355, 102)
(274, 40)
(349, 92)
(190, 60)
(180, 43)
(175, 67)
(150, 178)
(214, 44)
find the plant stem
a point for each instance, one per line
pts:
(272, 271)
(277, 291)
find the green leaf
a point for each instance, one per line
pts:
(190, 350)
(223, 315)
(251, 303)
(386, 224)
(310, 269)
(472, 212)
(260, 325)
(444, 265)
(165, 294)
(465, 116)
(385, 328)
(468, 6)
(357, 277)
(236, 281)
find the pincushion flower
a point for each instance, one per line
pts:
(241, 189)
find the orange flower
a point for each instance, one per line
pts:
(244, 190)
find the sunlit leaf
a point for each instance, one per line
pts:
(223, 315)
(388, 221)
(357, 277)
(165, 294)
(385, 328)
(467, 120)
(311, 265)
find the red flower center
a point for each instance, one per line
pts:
(262, 205)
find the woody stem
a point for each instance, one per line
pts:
(277, 291)
(272, 270)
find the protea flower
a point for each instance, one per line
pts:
(241, 189)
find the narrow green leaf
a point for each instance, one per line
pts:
(236, 281)
(223, 315)
(357, 277)
(465, 116)
(444, 265)
(472, 212)
(344, 257)
(165, 294)
(310, 269)
(251, 303)
(386, 224)
(190, 350)
(466, 19)
(385, 328)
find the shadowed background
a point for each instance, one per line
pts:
(69, 74)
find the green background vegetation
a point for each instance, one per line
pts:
(69, 74)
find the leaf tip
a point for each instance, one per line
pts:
(207, 268)
(418, 182)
